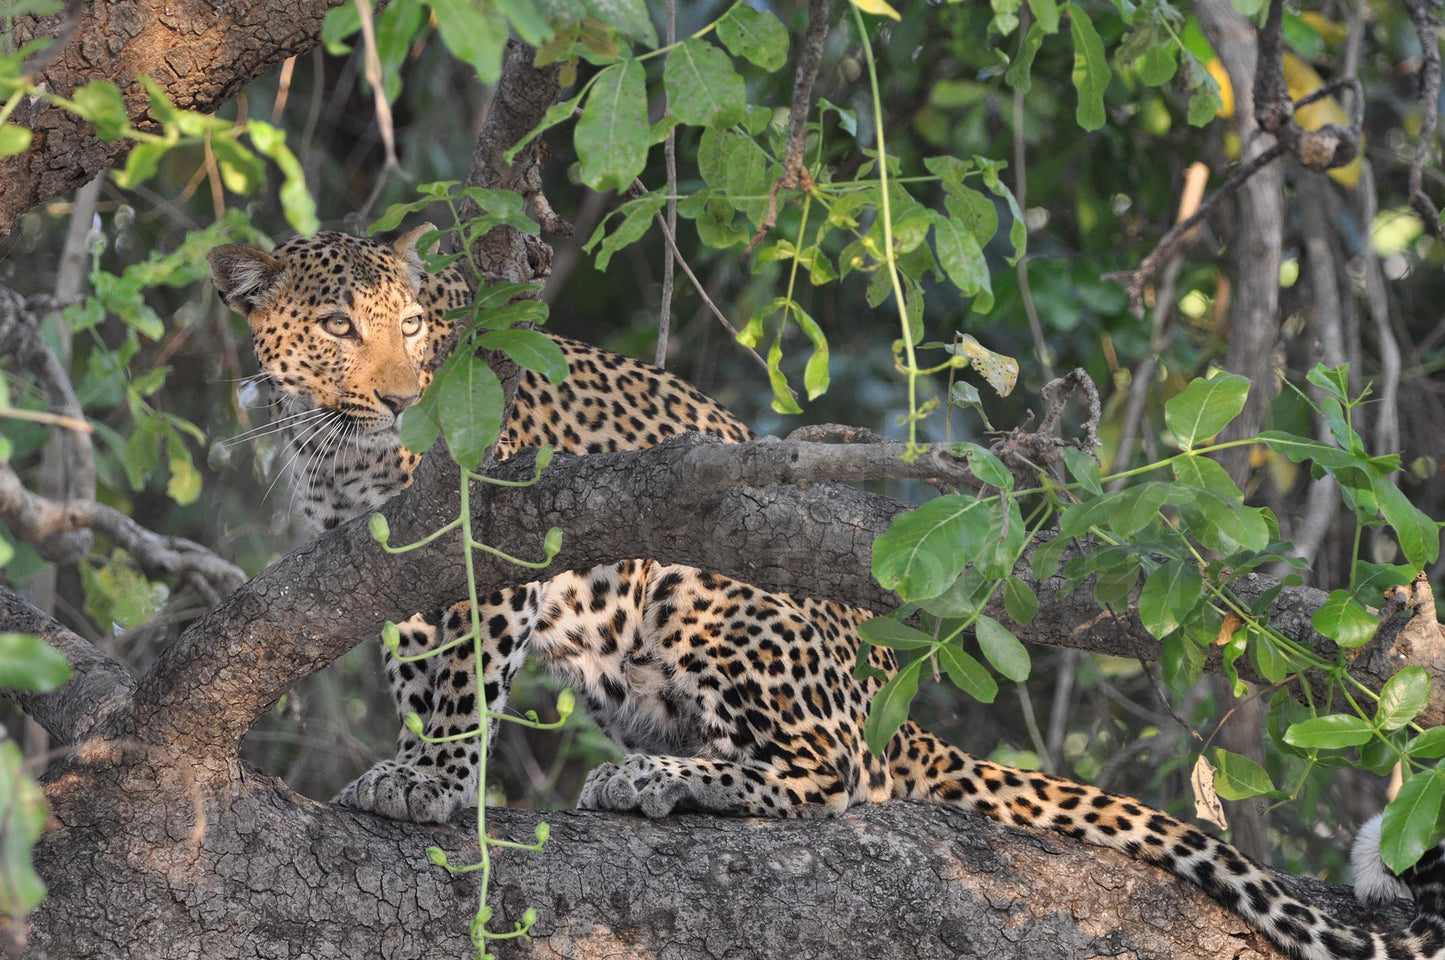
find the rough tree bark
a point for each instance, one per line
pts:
(200, 53)
(163, 844)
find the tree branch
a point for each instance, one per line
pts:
(98, 687)
(200, 53)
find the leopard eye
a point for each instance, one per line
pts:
(411, 324)
(338, 325)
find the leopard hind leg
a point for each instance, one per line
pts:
(925, 768)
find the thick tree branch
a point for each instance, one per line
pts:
(200, 53)
(900, 879)
(98, 686)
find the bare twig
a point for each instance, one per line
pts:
(35, 520)
(810, 55)
(1426, 26)
(1021, 194)
(383, 110)
(20, 338)
(1139, 276)
(669, 155)
(668, 236)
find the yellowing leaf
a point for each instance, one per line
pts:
(1301, 79)
(878, 8)
(1001, 371)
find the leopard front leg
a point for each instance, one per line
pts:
(429, 781)
(656, 786)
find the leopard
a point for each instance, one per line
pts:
(726, 698)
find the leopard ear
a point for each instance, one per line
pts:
(246, 279)
(406, 251)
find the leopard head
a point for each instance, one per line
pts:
(337, 322)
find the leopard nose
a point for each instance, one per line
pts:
(396, 403)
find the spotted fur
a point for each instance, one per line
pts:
(727, 698)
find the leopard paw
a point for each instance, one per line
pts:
(402, 792)
(639, 784)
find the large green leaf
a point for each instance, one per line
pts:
(890, 706)
(1331, 733)
(756, 35)
(1402, 698)
(29, 663)
(1091, 69)
(702, 87)
(1345, 620)
(921, 553)
(532, 350)
(888, 632)
(469, 407)
(967, 673)
(1002, 649)
(475, 32)
(611, 135)
(1419, 535)
(1411, 820)
(22, 818)
(1169, 596)
(1237, 777)
(1204, 407)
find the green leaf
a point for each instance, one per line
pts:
(611, 135)
(1331, 732)
(1205, 101)
(1410, 824)
(629, 17)
(1205, 407)
(1138, 507)
(702, 86)
(1002, 649)
(636, 219)
(29, 663)
(890, 633)
(469, 406)
(783, 401)
(890, 706)
(184, 485)
(532, 350)
(755, 35)
(1236, 777)
(1169, 596)
(1402, 698)
(1091, 69)
(475, 33)
(1300, 449)
(295, 198)
(1084, 468)
(985, 466)
(1182, 661)
(815, 373)
(1202, 472)
(967, 674)
(419, 423)
(13, 139)
(923, 550)
(1429, 745)
(100, 102)
(1273, 664)
(1046, 14)
(1020, 601)
(1419, 536)
(1019, 74)
(961, 257)
(1345, 620)
(22, 819)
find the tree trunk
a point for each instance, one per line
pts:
(145, 864)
